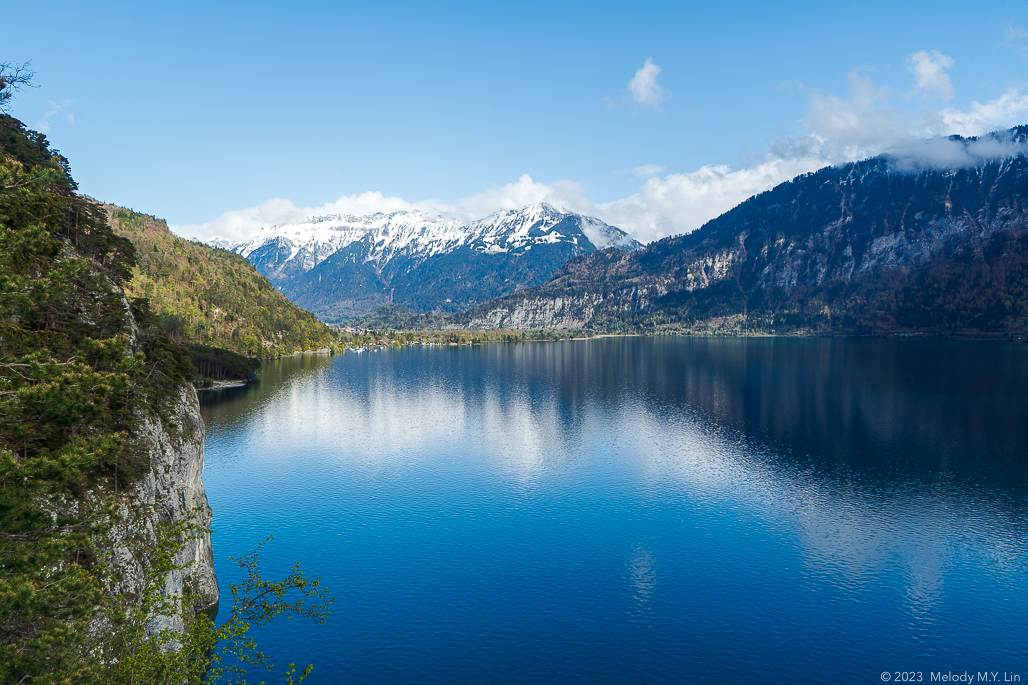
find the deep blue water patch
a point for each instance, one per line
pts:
(638, 510)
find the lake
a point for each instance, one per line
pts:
(638, 510)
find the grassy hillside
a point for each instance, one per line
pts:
(204, 295)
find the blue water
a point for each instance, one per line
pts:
(638, 510)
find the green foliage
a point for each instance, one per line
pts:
(212, 297)
(75, 219)
(131, 652)
(169, 362)
(356, 339)
(398, 317)
(255, 602)
(218, 364)
(76, 370)
(66, 384)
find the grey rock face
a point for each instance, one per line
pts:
(168, 492)
(171, 491)
(566, 312)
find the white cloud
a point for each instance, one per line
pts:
(679, 203)
(1015, 36)
(944, 153)
(44, 125)
(835, 129)
(242, 224)
(647, 170)
(238, 225)
(1008, 109)
(858, 126)
(525, 191)
(643, 87)
(930, 73)
(838, 130)
(365, 203)
(867, 123)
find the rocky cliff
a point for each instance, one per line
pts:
(166, 438)
(170, 491)
(877, 245)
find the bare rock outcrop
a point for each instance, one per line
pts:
(171, 491)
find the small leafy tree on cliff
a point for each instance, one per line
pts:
(208, 652)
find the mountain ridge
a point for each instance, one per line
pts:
(869, 246)
(345, 265)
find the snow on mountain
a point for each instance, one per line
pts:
(220, 243)
(292, 249)
(341, 266)
(515, 227)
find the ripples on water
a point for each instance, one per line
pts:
(639, 509)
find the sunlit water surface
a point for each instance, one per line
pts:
(638, 510)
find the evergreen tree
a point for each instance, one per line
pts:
(76, 366)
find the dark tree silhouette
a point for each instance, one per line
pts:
(13, 77)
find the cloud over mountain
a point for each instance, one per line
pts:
(869, 120)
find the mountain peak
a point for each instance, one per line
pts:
(461, 262)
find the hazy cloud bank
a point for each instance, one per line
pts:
(864, 123)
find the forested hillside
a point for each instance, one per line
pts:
(208, 296)
(80, 370)
(106, 570)
(869, 247)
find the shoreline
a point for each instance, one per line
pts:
(388, 341)
(221, 385)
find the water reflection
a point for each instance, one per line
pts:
(857, 446)
(641, 577)
(828, 492)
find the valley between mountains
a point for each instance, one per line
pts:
(888, 245)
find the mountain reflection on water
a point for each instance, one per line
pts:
(640, 509)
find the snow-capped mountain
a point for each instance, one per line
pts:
(342, 265)
(292, 249)
(288, 251)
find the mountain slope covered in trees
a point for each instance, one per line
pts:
(885, 245)
(106, 569)
(209, 296)
(84, 373)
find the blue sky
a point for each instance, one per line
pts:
(221, 117)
